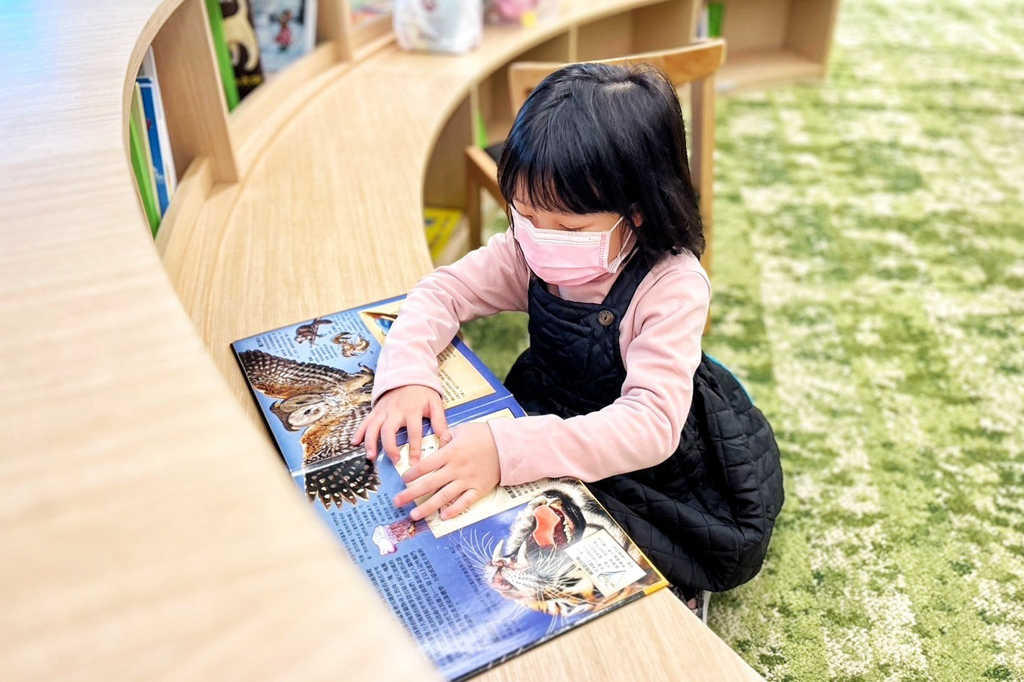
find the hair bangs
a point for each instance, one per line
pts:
(548, 163)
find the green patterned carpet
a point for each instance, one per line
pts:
(869, 290)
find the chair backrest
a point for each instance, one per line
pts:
(682, 65)
(694, 65)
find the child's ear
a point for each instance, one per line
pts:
(635, 217)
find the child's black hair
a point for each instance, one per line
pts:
(595, 138)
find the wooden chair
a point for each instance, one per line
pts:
(694, 65)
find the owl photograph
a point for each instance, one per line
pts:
(327, 405)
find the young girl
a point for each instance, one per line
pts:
(603, 254)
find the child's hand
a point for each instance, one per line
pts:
(458, 474)
(403, 406)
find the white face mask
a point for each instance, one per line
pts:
(566, 258)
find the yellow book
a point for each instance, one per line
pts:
(440, 224)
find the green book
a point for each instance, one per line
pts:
(220, 46)
(481, 130)
(141, 164)
(716, 17)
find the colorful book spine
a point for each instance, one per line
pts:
(716, 19)
(156, 150)
(142, 163)
(440, 225)
(170, 172)
(240, 38)
(220, 46)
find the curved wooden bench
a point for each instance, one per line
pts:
(147, 525)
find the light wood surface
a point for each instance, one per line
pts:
(753, 70)
(147, 526)
(773, 42)
(330, 215)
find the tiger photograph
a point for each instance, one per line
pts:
(534, 567)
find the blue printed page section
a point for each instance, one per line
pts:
(544, 558)
(313, 382)
(518, 567)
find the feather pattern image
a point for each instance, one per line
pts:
(328, 404)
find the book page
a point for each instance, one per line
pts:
(501, 498)
(461, 381)
(519, 566)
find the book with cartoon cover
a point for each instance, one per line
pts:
(286, 30)
(517, 568)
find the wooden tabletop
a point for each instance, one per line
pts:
(147, 527)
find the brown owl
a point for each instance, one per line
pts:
(329, 404)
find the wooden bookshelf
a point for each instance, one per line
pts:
(163, 535)
(334, 172)
(773, 42)
(492, 96)
(657, 26)
(147, 525)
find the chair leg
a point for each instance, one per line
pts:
(473, 214)
(473, 208)
(702, 165)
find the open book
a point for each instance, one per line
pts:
(520, 566)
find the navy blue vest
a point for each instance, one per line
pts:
(703, 516)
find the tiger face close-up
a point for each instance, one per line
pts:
(531, 566)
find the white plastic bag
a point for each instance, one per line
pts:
(452, 26)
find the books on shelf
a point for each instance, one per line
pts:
(242, 44)
(150, 144)
(220, 47)
(520, 566)
(442, 228)
(142, 160)
(712, 18)
(159, 139)
(286, 30)
(255, 39)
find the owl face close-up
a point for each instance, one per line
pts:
(302, 410)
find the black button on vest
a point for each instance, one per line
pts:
(704, 516)
(573, 365)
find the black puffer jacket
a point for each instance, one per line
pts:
(705, 515)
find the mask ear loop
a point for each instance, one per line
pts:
(622, 246)
(519, 249)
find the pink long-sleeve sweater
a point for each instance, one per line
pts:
(659, 337)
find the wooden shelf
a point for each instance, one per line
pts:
(162, 536)
(644, 29)
(307, 199)
(492, 92)
(772, 42)
(261, 114)
(756, 69)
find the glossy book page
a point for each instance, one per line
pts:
(518, 567)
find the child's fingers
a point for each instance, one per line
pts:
(357, 436)
(371, 434)
(424, 485)
(442, 498)
(415, 435)
(459, 505)
(439, 422)
(425, 466)
(387, 437)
